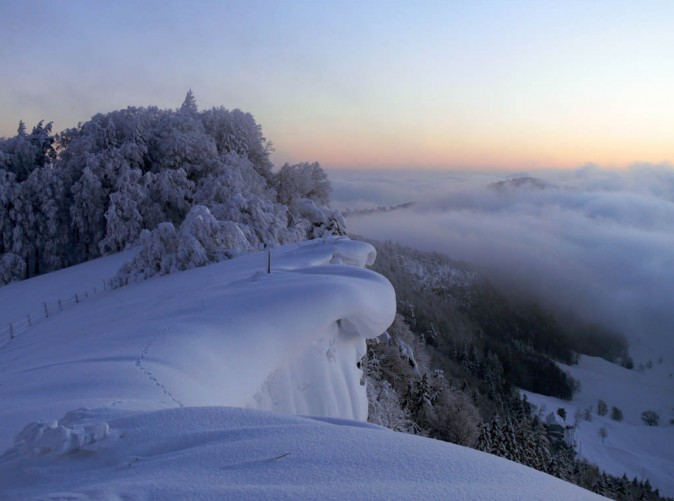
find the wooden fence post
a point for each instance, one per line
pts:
(29, 324)
(11, 331)
(46, 311)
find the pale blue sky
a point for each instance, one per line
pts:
(509, 84)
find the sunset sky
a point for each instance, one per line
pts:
(425, 84)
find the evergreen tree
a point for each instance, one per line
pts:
(189, 104)
(616, 414)
(484, 439)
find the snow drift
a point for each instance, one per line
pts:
(226, 334)
(140, 392)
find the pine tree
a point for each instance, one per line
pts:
(509, 447)
(485, 440)
(526, 443)
(542, 448)
(189, 104)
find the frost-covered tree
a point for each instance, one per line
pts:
(170, 195)
(200, 239)
(95, 188)
(237, 132)
(124, 221)
(384, 406)
(30, 194)
(204, 239)
(24, 153)
(47, 222)
(303, 180)
(8, 194)
(87, 213)
(12, 267)
(189, 104)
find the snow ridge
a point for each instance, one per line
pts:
(225, 334)
(215, 340)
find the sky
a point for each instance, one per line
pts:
(364, 84)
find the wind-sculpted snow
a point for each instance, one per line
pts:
(66, 436)
(225, 334)
(139, 392)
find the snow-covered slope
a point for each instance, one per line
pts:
(228, 453)
(226, 334)
(629, 447)
(129, 394)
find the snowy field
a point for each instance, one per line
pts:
(629, 447)
(162, 389)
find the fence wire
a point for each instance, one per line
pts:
(19, 326)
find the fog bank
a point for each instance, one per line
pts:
(596, 242)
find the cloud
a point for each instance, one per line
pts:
(598, 243)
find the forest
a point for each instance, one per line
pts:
(453, 362)
(182, 182)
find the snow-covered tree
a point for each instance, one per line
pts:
(170, 195)
(201, 239)
(12, 268)
(303, 180)
(8, 187)
(24, 153)
(157, 255)
(87, 213)
(189, 104)
(47, 222)
(94, 188)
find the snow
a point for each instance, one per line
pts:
(189, 338)
(630, 447)
(438, 274)
(554, 418)
(229, 453)
(162, 389)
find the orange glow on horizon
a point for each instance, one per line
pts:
(505, 152)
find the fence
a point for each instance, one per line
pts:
(16, 328)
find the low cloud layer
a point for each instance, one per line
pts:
(594, 242)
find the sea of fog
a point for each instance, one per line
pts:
(594, 242)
